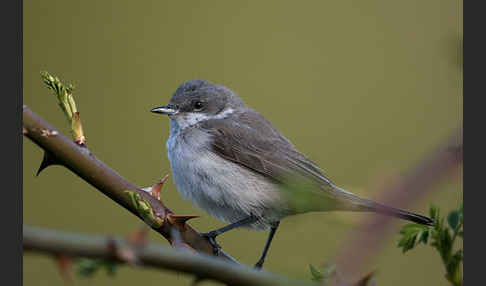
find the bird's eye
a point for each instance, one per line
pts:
(198, 105)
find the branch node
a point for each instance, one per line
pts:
(178, 243)
(124, 253)
(48, 133)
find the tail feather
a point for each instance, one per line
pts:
(399, 213)
(361, 204)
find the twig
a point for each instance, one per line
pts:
(151, 255)
(85, 164)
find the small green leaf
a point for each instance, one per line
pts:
(412, 234)
(434, 213)
(461, 214)
(87, 267)
(111, 267)
(425, 236)
(442, 237)
(453, 219)
(144, 209)
(317, 275)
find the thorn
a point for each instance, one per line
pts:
(174, 219)
(180, 220)
(157, 187)
(64, 264)
(366, 280)
(139, 238)
(47, 160)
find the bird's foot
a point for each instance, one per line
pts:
(211, 237)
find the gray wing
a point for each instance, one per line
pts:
(249, 140)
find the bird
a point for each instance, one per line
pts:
(230, 161)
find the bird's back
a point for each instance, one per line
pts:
(250, 140)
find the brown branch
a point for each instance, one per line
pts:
(366, 240)
(83, 163)
(70, 244)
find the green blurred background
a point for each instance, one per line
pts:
(364, 88)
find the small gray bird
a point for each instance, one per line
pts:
(230, 161)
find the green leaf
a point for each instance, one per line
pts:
(425, 236)
(453, 268)
(453, 219)
(434, 213)
(441, 237)
(63, 94)
(461, 214)
(111, 267)
(317, 275)
(88, 267)
(413, 234)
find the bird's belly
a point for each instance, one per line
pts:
(223, 188)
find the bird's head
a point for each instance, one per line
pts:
(198, 100)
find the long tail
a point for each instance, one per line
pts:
(361, 204)
(399, 213)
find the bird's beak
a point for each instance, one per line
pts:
(166, 109)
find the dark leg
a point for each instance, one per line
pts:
(211, 236)
(259, 264)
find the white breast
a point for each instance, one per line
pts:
(220, 187)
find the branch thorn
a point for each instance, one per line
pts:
(64, 264)
(179, 220)
(139, 238)
(47, 160)
(157, 187)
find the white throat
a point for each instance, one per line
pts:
(182, 121)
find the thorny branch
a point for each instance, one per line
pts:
(83, 163)
(56, 243)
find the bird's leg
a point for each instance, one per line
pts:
(211, 236)
(273, 229)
